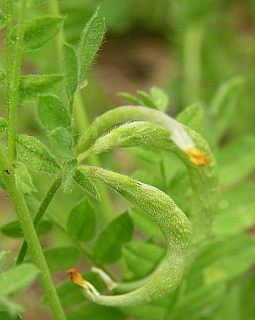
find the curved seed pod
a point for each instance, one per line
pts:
(175, 227)
(204, 179)
(159, 131)
(111, 118)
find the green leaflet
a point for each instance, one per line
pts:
(31, 86)
(70, 69)
(146, 99)
(4, 315)
(13, 229)
(17, 278)
(160, 98)
(61, 258)
(61, 143)
(130, 98)
(36, 155)
(86, 184)
(41, 30)
(52, 112)
(108, 245)
(157, 99)
(91, 39)
(68, 174)
(82, 221)
(23, 178)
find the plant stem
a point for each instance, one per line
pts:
(9, 52)
(29, 232)
(14, 83)
(81, 117)
(40, 212)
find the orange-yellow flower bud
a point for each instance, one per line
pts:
(197, 157)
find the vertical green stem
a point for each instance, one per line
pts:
(81, 117)
(29, 232)
(39, 214)
(14, 84)
(13, 76)
(9, 52)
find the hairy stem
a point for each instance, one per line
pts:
(13, 85)
(32, 240)
(9, 52)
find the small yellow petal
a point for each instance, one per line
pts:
(76, 278)
(197, 157)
